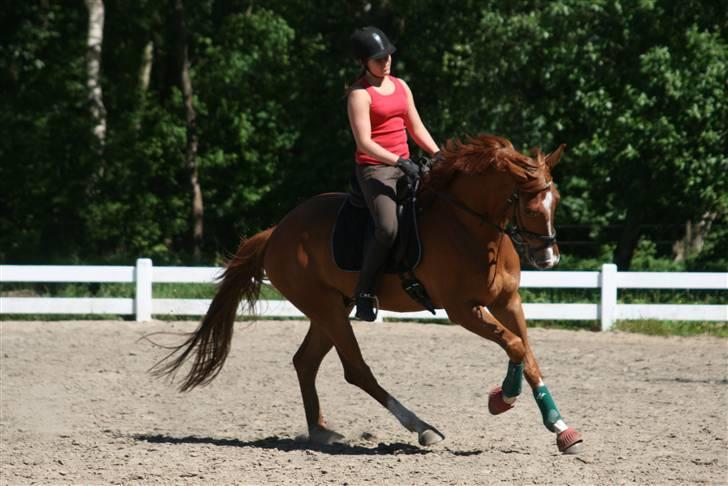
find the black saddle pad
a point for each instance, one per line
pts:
(354, 226)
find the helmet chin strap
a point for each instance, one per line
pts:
(372, 74)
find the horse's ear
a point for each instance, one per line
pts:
(553, 158)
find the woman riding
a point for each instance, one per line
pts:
(381, 112)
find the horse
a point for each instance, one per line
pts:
(470, 267)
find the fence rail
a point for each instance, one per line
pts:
(143, 306)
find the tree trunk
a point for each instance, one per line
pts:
(93, 69)
(694, 238)
(145, 71)
(628, 239)
(191, 120)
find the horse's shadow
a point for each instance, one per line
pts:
(288, 444)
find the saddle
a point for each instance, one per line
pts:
(354, 228)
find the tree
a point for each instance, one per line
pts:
(247, 86)
(635, 88)
(45, 161)
(191, 121)
(94, 43)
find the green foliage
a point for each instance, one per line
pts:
(243, 79)
(637, 89)
(646, 259)
(713, 257)
(45, 168)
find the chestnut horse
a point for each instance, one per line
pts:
(469, 267)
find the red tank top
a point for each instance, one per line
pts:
(387, 114)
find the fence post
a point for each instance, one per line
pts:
(608, 303)
(143, 295)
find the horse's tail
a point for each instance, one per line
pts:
(210, 343)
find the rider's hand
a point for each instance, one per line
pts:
(410, 169)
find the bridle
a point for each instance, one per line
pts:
(516, 232)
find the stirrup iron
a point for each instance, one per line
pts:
(367, 307)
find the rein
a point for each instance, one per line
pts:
(483, 218)
(516, 232)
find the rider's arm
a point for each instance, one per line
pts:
(361, 127)
(416, 128)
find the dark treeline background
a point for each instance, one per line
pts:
(204, 121)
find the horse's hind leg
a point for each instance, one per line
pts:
(511, 315)
(307, 361)
(358, 373)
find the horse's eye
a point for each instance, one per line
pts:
(530, 214)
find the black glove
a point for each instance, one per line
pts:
(409, 168)
(428, 163)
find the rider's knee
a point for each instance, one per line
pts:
(386, 235)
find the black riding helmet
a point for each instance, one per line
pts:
(370, 43)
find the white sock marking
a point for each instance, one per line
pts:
(405, 417)
(560, 426)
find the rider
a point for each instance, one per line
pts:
(381, 113)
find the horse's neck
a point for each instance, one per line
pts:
(485, 194)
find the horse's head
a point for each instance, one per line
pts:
(534, 234)
(528, 182)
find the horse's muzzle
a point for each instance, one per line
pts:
(543, 258)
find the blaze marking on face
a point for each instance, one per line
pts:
(548, 200)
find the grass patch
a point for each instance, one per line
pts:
(571, 325)
(182, 291)
(203, 291)
(673, 328)
(673, 296)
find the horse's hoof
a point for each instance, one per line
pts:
(325, 436)
(570, 442)
(496, 404)
(429, 437)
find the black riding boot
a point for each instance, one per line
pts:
(375, 257)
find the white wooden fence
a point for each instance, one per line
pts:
(144, 306)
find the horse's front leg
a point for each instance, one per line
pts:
(482, 322)
(478, 319)
(501, 399)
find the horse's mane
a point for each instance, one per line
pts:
(480, 153)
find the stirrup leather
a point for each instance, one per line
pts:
(367, 307)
